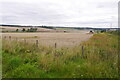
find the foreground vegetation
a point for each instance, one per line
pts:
(98, 60)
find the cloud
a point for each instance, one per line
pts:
(60, 12)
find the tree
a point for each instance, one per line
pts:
(103, 31)
(91, 31)
(17, 30)
(23, 30)
(28, 30)
(35, 29)
(32, 29)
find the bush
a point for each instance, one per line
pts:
(23, 30)
(17, 30)
(32, 30)
(103, 31)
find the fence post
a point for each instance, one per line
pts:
(5, 37)
(55, 55)
(55, 45)
(37, 43)
(10, 37)
(82, 51)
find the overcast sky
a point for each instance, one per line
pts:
(74, 13)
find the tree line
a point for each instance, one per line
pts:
(27, 30)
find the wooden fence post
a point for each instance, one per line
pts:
(55, 45)
(10, 37)
(5, 37)
(37, 43)
(82, 51)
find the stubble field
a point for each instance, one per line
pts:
(49, 39)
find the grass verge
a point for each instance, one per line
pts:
(98, 60)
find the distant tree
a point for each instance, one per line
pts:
(28, 30)
(103, 31)
(23, 29)
(17, 30)
(32, 30)
(35, 29)
(91, 31)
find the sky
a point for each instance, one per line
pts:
(67, 13)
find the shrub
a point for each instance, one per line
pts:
(23, 30)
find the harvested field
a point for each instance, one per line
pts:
(49, 39)
(20, 28)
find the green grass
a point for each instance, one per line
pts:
(26, 60)
(0, 58)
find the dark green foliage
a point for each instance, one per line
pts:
(91, 32)
(26, 71)
(115, 32)
(17, 30)
(49, 27)
(23, 30)
(103, 30)
(32, 30)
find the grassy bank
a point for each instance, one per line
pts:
(98, 59)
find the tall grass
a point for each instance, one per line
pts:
(0, 57)
(26, 60)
